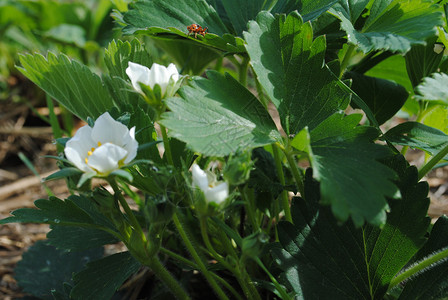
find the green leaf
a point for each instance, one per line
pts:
(240, 12)
(323, 259)
(264, 180)
(436, 117)
(118, 54)
(290, 67)
(78, 238)
(417, 135)
(69, 82)
(422, 61)
(66, 172)
(392, 25)
(351, 9)
(172, 13)
(44, 269)
(68, 33)
(144, 134)
(393, 69)
(75, 210)
(345, 161)
(218, 116)
(385, 98)
(170, 19)
(191, 57)
(434, 89)
(309, 9)
(432, 282)
(101, 278)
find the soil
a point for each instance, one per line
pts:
(22, 131)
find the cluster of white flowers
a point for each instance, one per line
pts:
(110, 145)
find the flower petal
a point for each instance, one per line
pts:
(138, 73)
(78, 146)
(107, 158)
(173, 72)
(199, 177)
(130, 144)
(218, 193)
(107, 130)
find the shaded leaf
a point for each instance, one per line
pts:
(192, 58)
(101, 278)
(290, 67)
(75, 210)
(309, 9)
(240, 12)
(393, 69)
(78, 238)
(333, 261)
(218, 116)
(422, 61)
(431, 283)
(44, 269)
(417, 135)
(385, 98)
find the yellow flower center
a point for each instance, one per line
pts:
(91, 152)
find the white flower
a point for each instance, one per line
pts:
(206, 181)
(106, 147)
(158, 74)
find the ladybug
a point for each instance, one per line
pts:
(196, 29)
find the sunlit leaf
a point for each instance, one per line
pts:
(218, 116)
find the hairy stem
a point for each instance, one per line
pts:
(418, 267)
(219, 292)
(432, 162)
(165, 276)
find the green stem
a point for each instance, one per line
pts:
(133, 220)
(295, 172)
(260, 93)
(166, 144)
(220, 293)
(418, 267)
(165, 276)
(346, 60)
(279, 288)
(195, 266)
(432, 162)
(208, 244)
(250, 208)
(243, 70)
(281, 176)
(240, 272)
